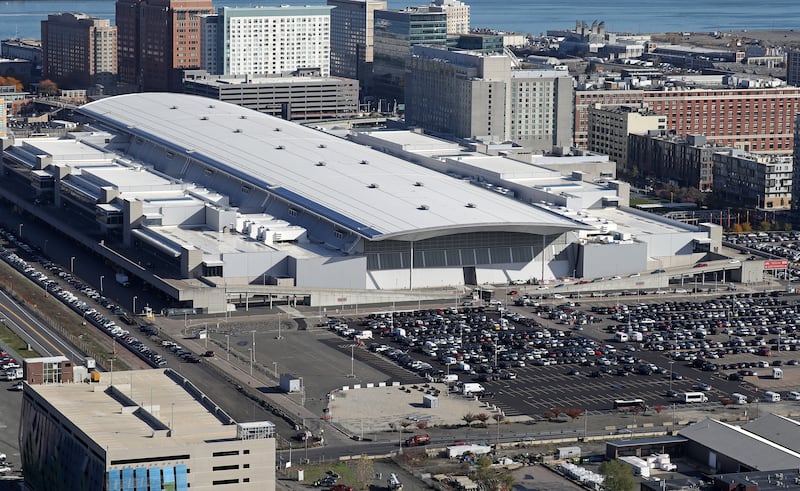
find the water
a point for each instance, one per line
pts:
(22, 17)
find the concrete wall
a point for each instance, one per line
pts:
(596, 260)
(253, 265)
(320, 272)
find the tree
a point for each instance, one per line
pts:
(737, 228)
(498, 417)
(482, 417)
(618, 476)
(469, 418)
(746, 227)
(658, 409)
(11, 81)
(48, 87)
(574, 413)
(422, 425)
(363, 471)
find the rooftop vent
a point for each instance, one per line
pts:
(237, 130)
(277, 129)
(321, 164)
(242, 117)
(322, 145)
(364, 162)
(418, 184)
(471, 205)
(204, 118)
(280, 147)
(373, 186)
(423, 207)
(174, 107)
(211, 106)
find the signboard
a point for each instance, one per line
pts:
(776, 264)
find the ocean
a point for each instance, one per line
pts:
(21, 17)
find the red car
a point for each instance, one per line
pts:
(341, 487)
(513, 292)
(700, 265)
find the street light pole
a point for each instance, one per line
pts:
(275, 364)
(71, 261)
(101, 283)
(134, 304)
(253, 332)
(251, 361)
(20, 230)
(672, 362)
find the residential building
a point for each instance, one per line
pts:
(48, 370)
(396, 33)
(79, 51)
(796, 177)
(352, 37)
(763, 181)
(485, 43)
(684, 161)
(793, 67)
(145, 429)
(758, 120)
(610, 127)
(3, 118)
(298, 96)
(458, 15)
(158, 39)
(468, 94)
(267, 40)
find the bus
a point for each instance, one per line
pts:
(627, 404)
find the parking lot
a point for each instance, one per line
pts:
(532, 359)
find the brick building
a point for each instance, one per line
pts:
(754, 120)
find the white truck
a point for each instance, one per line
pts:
(122, 279)
(472, 388)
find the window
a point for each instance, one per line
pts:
(224, 481)
(225, 467)
(225, 454)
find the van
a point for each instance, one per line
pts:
(770, 396)
(621, 337)
(692, 397)
(739, 398)
(777, 373)
(793, 396)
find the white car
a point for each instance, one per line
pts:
(18, 386)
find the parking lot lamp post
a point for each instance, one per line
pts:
(671, 362)
(228, 346)
(101, 283)
(251, 360)
(134, 304)
(72, 264)
(253, 332)
(275, 365)
(20, 230)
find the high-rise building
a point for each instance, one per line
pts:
(396, 33)
(137, 430)
(158, 39)
(610, 127)
(756, 120)
(793, 67)
(457, 15)
(470, 94)
(267, 40)
(352, 37)
(79, 51)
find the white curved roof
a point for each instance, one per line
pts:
(378, 199)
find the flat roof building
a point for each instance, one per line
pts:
(79, 51)
(139, 430)
(763, 181)
(611, 126)
(468, 94)
(303, 95)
